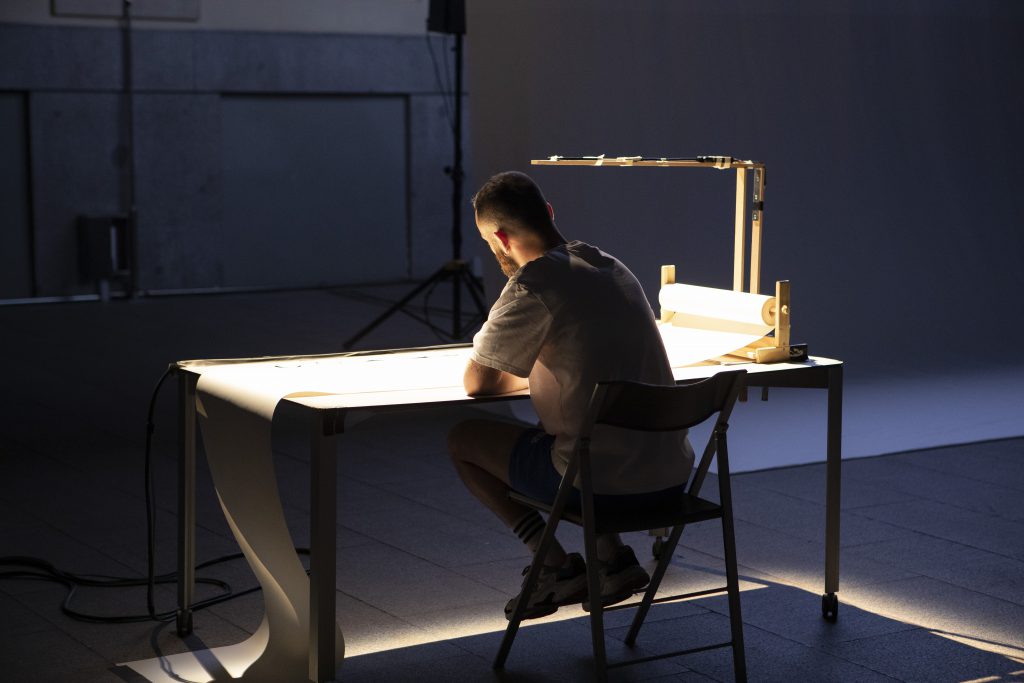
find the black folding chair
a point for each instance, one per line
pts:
(645, 407)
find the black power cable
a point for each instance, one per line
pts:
(36, 569)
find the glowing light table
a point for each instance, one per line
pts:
(325, 388)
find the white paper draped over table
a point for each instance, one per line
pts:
(236, 405)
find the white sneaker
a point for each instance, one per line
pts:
(556, 586)
(620, 578)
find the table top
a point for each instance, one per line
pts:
(395, 378)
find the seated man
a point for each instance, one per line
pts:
(569, 316)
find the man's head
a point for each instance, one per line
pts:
(515, 219)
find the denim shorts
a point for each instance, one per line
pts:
(531, 473)
(530, 470)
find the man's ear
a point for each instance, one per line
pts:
(551, 212)
(503, 237)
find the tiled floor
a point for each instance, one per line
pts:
(932, 561)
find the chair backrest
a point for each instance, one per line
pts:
(656, 408)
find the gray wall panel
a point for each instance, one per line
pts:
(34, 57)
(15, 235)
(392, 153)
(314, 190)
(260, 62)
(178, 190)
(76, 169)
(163, 60)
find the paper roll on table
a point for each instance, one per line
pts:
(704, 323)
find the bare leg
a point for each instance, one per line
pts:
(481, 451)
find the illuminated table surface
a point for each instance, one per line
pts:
(325, 388)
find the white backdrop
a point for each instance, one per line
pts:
(890, 131)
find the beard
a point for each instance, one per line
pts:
(505, 262)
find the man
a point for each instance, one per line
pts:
(569, 316)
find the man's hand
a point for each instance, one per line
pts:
(481, 380)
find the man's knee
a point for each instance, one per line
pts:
(482, 442)
(462, 437)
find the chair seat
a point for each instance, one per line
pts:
(609, 517)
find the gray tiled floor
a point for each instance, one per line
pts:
(932, 559)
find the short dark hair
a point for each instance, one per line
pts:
(513, 197)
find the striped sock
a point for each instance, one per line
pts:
(529, 529)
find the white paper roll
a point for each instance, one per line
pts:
(721, 304)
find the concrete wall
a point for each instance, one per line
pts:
(890, 130)
(385, 17)
(368, 204)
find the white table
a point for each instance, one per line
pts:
(383, 381)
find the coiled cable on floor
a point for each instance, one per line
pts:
(36, 569)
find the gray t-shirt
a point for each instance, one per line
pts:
(571, 318)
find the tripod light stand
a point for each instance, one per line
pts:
(446, 16)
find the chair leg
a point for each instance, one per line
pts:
(531, 582)
(596, 605)
(652, 588)
(731, 573)
(735, 617)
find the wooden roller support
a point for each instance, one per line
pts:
(779, 350)
(756, 217)
(739, 246)
(773, 347)
(668, 277)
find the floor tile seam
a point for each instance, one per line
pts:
(861, 665)
(883, 482)
(924, 449)
(405, 616)
(947, 581)
(990, 517)
(376, 487)
(741, 568)
(724, 612)
(158, 587)
(525, 558)
(360, 544)
(97, 550)
(377, 608)
(780, 531)
(785, 494)
(431, 563)
(445, 511)
(845, 506)
(908, 627)
(61, 627)
(947, 540)
(876, 479)
(772, 580)
(859, 548)
(466, 529)
(229, 617)
(951, 585)
(798, 644)
(365, 481)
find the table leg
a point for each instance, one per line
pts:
(323, 546)
(186, 500)
(830, 603)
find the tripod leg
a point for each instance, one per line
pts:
(441, 274)
(472, 286)
(476, 291)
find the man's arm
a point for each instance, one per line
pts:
(481, 380)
